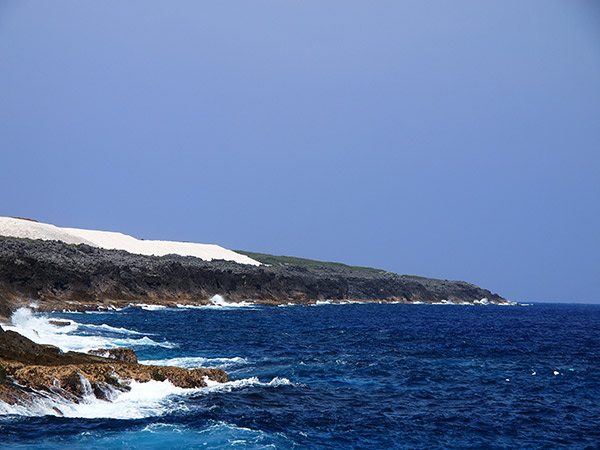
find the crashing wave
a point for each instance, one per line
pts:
(41, 330)
(147, 399)
(194, 362)
(219, 301)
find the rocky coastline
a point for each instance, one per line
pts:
(55, 276)
(58, 276)
(29, 371)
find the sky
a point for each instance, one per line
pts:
(456, 140)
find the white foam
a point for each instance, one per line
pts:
(39, 329)
(118, 241)
(450, 302)
(194, 362)
(143, 400)
(147, 399)
(219, 301)
(106, 327)
(214, 386)
(152, 398)
(150, 307)
(330, 302)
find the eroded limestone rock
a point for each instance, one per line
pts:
(26, 367)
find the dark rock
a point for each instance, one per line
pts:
(57, 276)
(60, 323)
(120, 354)
(27, 367)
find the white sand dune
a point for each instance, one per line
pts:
(22, 228)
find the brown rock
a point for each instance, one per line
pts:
(120, 354)
(27, 366)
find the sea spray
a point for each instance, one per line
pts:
(86, 388)
(39, 329)
(218, 300)
(151, 398)
(147, 399)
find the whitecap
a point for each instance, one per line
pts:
(214, 386)
(148, 399)
(194, 362)
(143, 400)
(159, 435)
(322, 302)
(220, 302)
(39, 329)
(150, 307)
(105, 327)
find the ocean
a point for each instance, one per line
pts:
(364, 376)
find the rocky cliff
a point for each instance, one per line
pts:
(57, 276)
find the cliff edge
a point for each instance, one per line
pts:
(59, 276)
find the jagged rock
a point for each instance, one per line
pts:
(120, 354)
(27, 366)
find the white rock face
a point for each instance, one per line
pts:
(117, 241)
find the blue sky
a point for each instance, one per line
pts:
(457, 140)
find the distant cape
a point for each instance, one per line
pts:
(58, 275)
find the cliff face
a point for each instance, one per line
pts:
(57, 275)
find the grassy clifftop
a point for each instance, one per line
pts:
(282, 261)
(275, 260)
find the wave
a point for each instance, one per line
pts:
(219, 301)
(150, 307)
(330, 302)
(195, 362)
(213, 386)
(212, 434)
(44, 330)
(148, 399)
(143, 400)
(105, 327)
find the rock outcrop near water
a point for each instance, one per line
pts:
(28, 370)
(120, 354)
(55, 275)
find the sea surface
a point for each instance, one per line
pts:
(369, 376)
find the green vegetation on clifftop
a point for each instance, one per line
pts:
(274, 260)
(277, 261)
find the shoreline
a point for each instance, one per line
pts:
(33, 372)
(57, 307)
(57, 276)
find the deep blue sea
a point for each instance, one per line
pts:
(369, 376)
